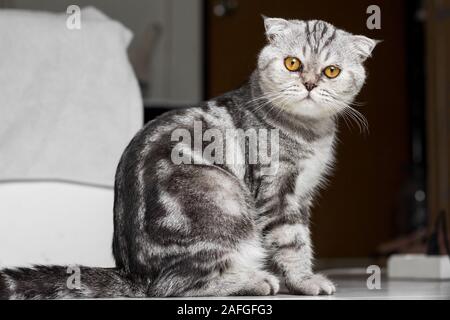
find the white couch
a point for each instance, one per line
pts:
(69, 105)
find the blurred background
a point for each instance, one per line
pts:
(390, 184)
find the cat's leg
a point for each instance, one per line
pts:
(243, 275)
(284, 224)
(240, 274)
(201, 238)
(259, 283)
(292, 256)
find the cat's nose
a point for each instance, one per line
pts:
(310, 85)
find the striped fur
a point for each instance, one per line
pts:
(219, 229)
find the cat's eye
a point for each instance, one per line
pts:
(332, 72)
(292, 64)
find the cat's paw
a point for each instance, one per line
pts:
(262, 284)
(313, 285)
(273, 283)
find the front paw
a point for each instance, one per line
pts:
(313, 285)
(262, 284)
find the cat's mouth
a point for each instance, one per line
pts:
(308, 97)
(304, 98)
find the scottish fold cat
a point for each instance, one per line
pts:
(207, 227)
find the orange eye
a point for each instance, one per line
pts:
(332, 72)
(292, 64)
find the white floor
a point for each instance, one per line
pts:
(354, 287)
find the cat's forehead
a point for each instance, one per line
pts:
(312, 38)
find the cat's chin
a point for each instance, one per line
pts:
(308, 108)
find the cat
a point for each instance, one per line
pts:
(227, 228)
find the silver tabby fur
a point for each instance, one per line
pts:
(219, 230)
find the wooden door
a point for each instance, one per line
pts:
(438, 115)
(357, 210)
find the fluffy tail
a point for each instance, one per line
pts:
(57, 282)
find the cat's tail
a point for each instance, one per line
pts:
(58, 282)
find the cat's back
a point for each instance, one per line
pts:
(154, 192)
(158, 137)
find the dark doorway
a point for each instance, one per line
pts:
(358, 209)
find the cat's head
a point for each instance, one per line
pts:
(311, 68)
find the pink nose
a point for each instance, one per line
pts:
(309, 85)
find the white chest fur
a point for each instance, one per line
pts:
(313, 169)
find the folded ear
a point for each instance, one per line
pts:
(363, 46)
(274, 26)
